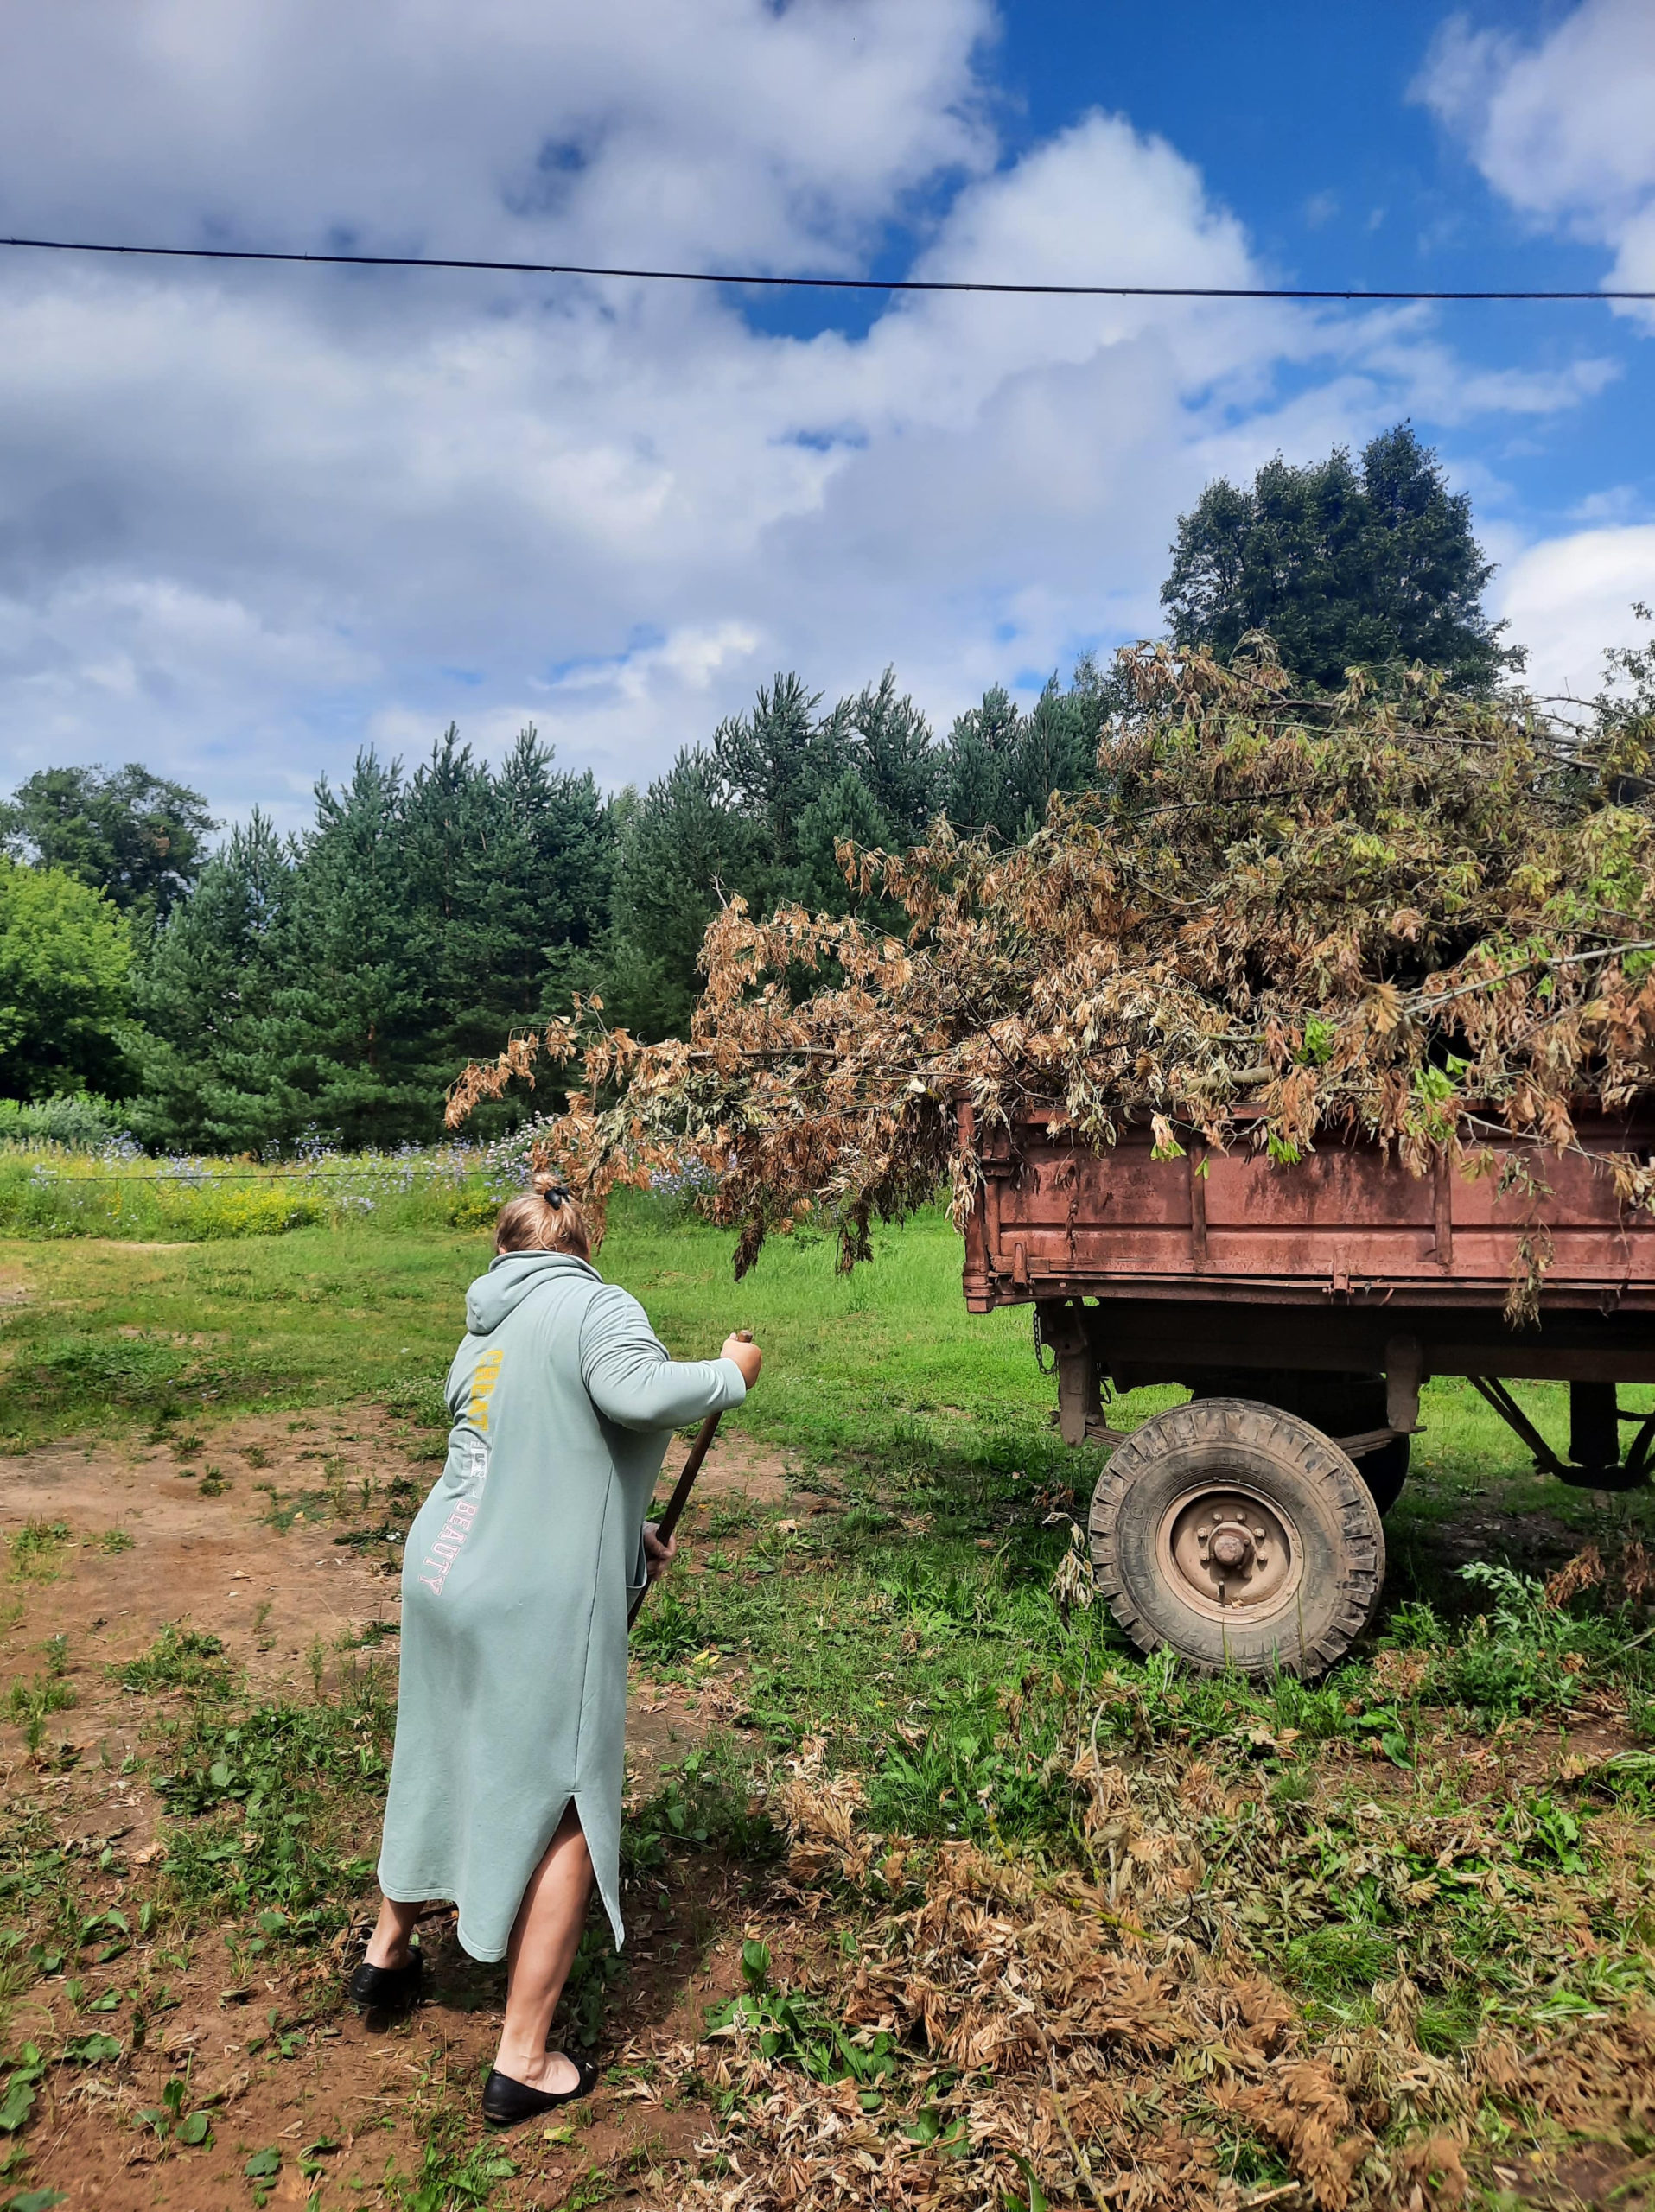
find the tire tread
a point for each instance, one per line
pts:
(1259, 1428)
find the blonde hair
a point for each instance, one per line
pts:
(543, 1219)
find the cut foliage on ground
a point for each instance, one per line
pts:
(937, 1895)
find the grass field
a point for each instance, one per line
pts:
(1387, 1940)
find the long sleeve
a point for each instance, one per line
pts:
(629, 1377)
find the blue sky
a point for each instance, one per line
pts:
(252, 520)
(1308, 120)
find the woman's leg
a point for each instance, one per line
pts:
(388, 1945)
(544, 1937)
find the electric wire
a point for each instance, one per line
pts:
(1348, 293)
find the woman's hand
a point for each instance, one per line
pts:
(746, 1356)
(659, 1555)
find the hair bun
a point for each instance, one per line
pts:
(551, 1185)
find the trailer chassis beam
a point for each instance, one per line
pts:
(1633, 1472)
(1515, 1418)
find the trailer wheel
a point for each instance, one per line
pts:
(1239, 1535)
(1338, 1405)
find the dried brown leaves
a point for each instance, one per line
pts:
(1275, 917)
(1107, 2029)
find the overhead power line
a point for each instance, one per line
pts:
(1353, 292)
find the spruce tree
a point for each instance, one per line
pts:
(205, 997)
(896, 757)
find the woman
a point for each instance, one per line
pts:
(506, 1780)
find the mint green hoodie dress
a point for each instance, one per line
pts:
(518, 1570)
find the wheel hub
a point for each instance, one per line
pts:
(1225, 1547)
(1231, 1550)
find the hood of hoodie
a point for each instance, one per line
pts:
(509, 1280)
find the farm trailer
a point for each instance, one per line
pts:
(1302, 1308)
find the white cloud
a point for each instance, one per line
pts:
(1564, 127)
(248, 519)
(1571, 598)
(763, 132)
(1618, 502)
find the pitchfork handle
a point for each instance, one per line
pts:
(685, 1483)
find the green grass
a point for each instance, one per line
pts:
(880, 1377)
(885, 1365)
(911, 1631)
(115, 1338)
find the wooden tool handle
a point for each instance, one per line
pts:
(685, 1483)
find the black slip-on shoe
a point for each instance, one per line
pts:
(386, 1989)
(505, 2102)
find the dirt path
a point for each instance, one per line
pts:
(288, 1565)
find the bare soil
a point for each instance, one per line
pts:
(377, 2090)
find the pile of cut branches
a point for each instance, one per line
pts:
(1115, 2032)
(1399, 914)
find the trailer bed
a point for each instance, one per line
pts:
(1347, 1230)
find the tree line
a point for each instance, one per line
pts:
(236, 998)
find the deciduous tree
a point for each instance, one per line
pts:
(1341, 566)
(66, 963)
(141, 839)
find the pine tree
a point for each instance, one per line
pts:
(1056, 750)
(460, 897)
(557, 867)
(347, 1040)
(777, 759)
(979, 792)
(682, 846)
(844, 809)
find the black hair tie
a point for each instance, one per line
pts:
(554, 1197)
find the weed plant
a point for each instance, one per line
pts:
(63, 1190)
(178, 1659)
(269, 1805)
(35, 1549)
(31, 1702)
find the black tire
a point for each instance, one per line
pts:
(1228, 1472)
(1338, 1405)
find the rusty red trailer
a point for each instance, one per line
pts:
(1303, 1307)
